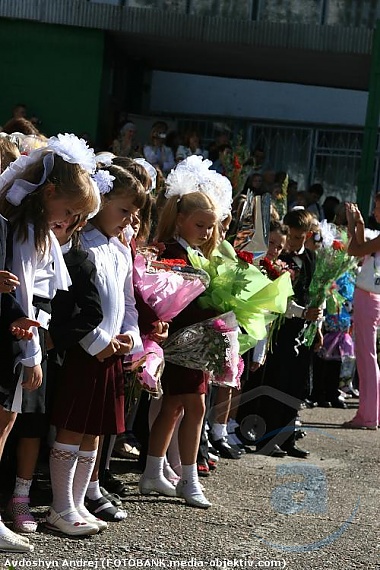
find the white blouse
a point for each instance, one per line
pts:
(39, 275)
(114, 283)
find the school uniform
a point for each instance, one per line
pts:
(287, 369)
(103, 382)
(75, 313)
(40, 275)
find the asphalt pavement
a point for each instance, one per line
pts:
(322, 512)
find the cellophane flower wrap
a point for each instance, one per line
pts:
(338, 343)
(167, 287)
(332, 261)
(211, 346)
(238, 286)
(147, 366)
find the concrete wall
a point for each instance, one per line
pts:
(178, 93)
(55, 70)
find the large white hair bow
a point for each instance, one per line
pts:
(67, 146)
(194, 175)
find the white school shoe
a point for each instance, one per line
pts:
(56, 522)
(158, 485)
(90, 518)
(12, 542)
(194, 499)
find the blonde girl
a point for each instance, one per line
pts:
(191, 221)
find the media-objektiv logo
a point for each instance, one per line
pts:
(300, 488)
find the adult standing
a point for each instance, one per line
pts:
(366, 318)
(157, 153)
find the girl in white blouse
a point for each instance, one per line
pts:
(37, 192)
(118, 333)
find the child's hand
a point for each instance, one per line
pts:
(32, 377)
(313, 314)
(160, 332)
(125, 343)
(20, 328)
(8, 282)
(110, 350)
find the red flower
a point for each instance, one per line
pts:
(274, 269)
(237, 164)
(338, 245)
(246, 256)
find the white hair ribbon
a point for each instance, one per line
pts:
(150, 170)
(21, 188)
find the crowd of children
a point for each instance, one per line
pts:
(71, 318)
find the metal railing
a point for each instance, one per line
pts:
(309, 154)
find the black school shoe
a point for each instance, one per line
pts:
(225, 449)
(274, 451)
(294, 451)
(114, 485)
(103, 509)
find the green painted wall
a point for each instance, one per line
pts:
(55, 70)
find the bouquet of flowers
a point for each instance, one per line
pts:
(274, 269)
(147, 367)
(280, 198)
(332, 261)
(167, 286)
(238, 286)
(211, 346)
(236, 165)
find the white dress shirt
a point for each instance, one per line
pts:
(114, 283)
(40, 275)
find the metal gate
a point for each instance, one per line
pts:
(330, 156)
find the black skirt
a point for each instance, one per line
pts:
(32, 401)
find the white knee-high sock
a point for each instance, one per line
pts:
(83, 472)
(63, 460)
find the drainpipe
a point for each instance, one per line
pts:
(367, 163)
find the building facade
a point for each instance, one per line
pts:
(291, 75)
